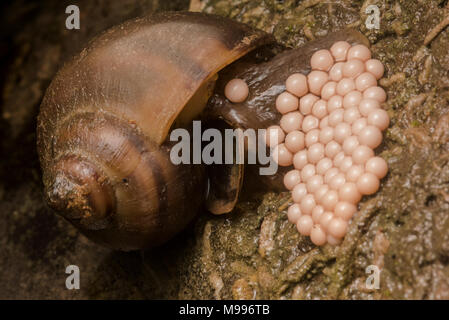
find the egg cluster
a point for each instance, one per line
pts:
(332, 120)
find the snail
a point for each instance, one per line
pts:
(104, 122)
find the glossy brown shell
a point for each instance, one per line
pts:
(105, 117)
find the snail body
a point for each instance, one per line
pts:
(105, 118)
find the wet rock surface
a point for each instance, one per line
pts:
(254, 252)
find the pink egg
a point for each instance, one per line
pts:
(320, 192)
(323, 165)
(312, 137)
(307, 172)
(341, 132)
(350, 144)
(322, 60)
(332, 240)
(339, 50)
(375, 67)
(315, 153)
(345, 86)
(326, 135)
(309, 123)
(368, 105)
(336, 117)
(330, 174)
(294, 141)
(351, 115)
(236, 90)
(318, 236)
(330, 199)
(345, 210)
(332, 149)
(297, 84)
(368, 183)
(354, 173)
(316, 80)
(314, 182)
(337, 181)
(282, 156)
(336, 72)
(316, 213)
(299, 192)
(293, 213)
(325, 219)
(376, 93)
(377, 166)
(286, 102)
(334, 103)
(307, 204)
(291, 179)
(291, 121)
(346, 164)
(352, 99)
(370, 136)
(306, 103)
(358, 125)
(359, 52)
(304, 225)
(379, 118)
(319, 109)
(337, 227)
(361, 154)
(338, 159)
(274, 135)
(353, 68)
(300, 159)
(349, 193)
(328, 90)
(364, 81)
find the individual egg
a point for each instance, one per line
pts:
(332, 149)
(316, 213)
(359, 52)
(309, 123)
(325, 219)
(293, 213)
(337, 181)
(304, 225)
(350, 144)
(375, 67)
(370, 136)
(323, 165)
(337, 227)
(377, 166)
(345, 164)
(307, 172)
(295, 141)
(286, 102)
(354, 172)
(376, 93)
(297, 84)
(312, 137)
(306, 103)
(351, 115)
(291, 121)
(299, 192)
(317, 235)
(316, 80)
(368, 105)
(334, 103)
(329, 200)
(236, 90)
(307, 204)
(332, 240)
(352, 99)
(336, 72)
(345, 210)
(326, 135)
(274, 135)
(345, 86)
(330, 174)
(361, 154)
(349, 192)
(353, 68)
(319, 109)
(368, 183)
(379, 118)
(322, 60)
(341, 132)
(339, 50)
(358, 125)
(300, 159)
(338, 159)
(364, 81)
(314, 182)
(282, 155)
(336, 117)
(315, 152)
(291, 179)
(328, 90)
